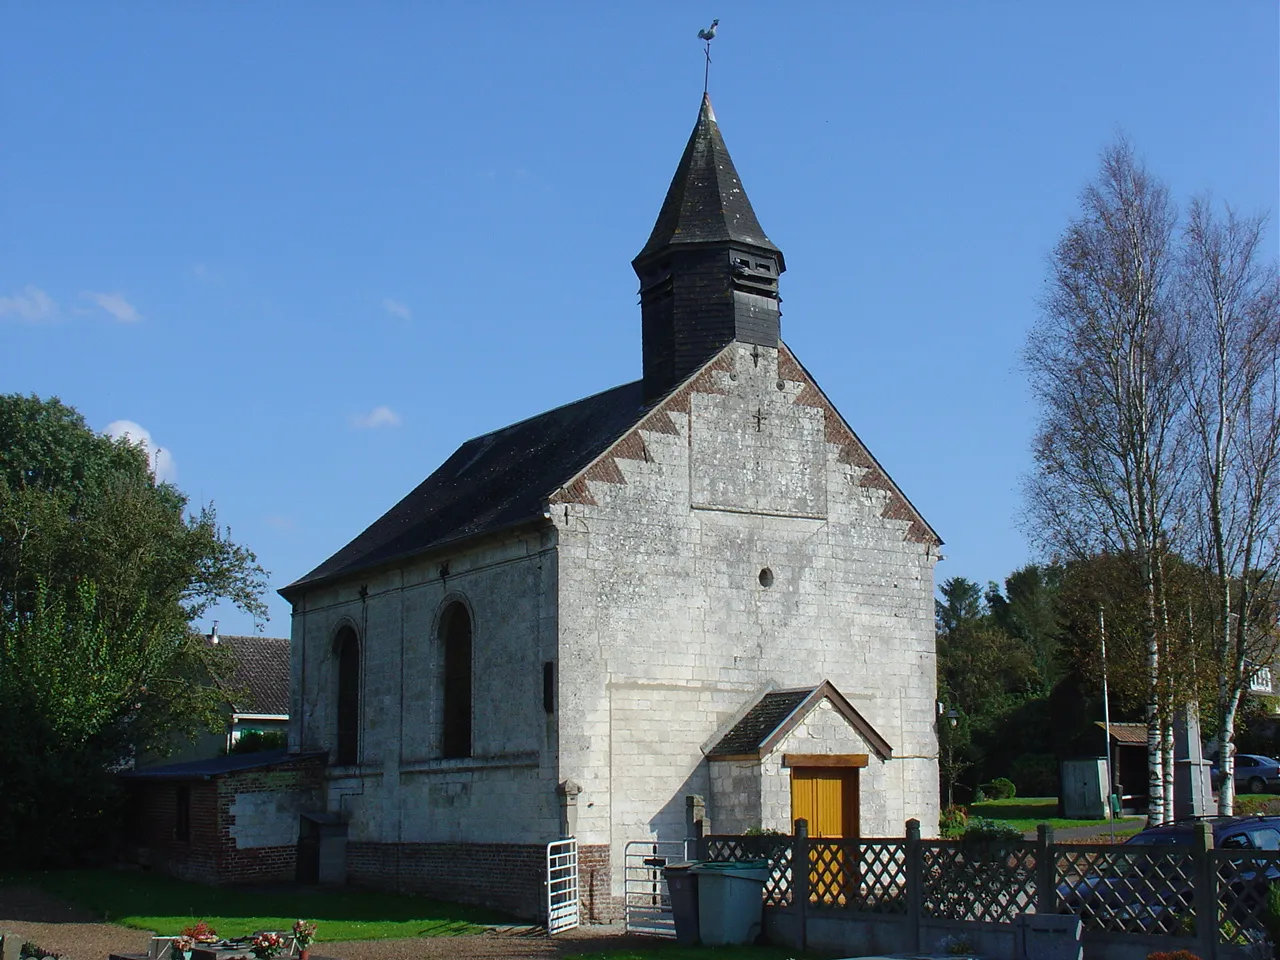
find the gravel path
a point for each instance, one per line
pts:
(62, 928)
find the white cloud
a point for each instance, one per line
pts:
(162, 462)
(377, 417)
(116, 305)
(397, 309)
(31, 305)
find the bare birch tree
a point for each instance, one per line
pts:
(1230, 301)
(1105, 364)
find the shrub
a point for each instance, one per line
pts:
(982, 830)
(1001, 788)
(1035, 774)
(953, 821)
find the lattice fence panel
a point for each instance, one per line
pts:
(972, 882)
(1127, 889)
(882, 868)
(1243, 878)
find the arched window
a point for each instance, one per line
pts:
(455, 632)
(348, 649)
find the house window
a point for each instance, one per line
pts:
(348, 648)
(182, 813)
(455, 633)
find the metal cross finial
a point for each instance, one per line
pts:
(708, 35)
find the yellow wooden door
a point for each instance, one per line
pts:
(827, 797)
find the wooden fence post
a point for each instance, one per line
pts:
(915, 884)
(800, 878)
(1046, 871)
(1205, 890)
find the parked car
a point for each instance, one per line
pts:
(1253, 773)
(1137, 891)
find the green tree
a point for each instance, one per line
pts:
(102, 570)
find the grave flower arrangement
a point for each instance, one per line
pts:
(183, 945)
(266, 945)
(304, 934)
(200, 932)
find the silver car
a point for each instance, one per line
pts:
(1254, 774)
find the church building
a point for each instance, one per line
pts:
(698, 584)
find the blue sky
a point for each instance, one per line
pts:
(311, 248)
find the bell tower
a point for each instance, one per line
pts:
(708, 274)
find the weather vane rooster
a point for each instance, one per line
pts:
(708, 35)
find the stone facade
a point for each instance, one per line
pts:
(667, 629)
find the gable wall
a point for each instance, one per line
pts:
(402, 791)
(666, 631)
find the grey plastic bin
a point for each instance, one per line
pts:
(730, 900)
(682, 887)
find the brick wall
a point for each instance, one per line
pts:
(221, 846)
(258, 841)
(598, 903)
(503, 876)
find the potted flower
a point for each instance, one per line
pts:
(266, 945)
(182, 947)
(304, 934)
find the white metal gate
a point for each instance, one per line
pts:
(562, 885)
(648, 905)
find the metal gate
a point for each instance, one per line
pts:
(647, 903)
(562, 885)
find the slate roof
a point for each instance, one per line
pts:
(262, 671)
(216, 766)
(750, 733)
(706, 201)
(778, 712)
(493, 482)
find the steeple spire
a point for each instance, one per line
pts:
(708, 274)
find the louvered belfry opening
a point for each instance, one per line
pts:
(455, 628)
(348, 750)
(708, 273)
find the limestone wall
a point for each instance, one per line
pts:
(667, 628)
(402, 791)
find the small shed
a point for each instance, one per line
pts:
(231, 819)
(1129, 747)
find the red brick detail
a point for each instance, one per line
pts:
(853, 452)
(632, 447)
(599, 905)
(502, 876)
(604, 470)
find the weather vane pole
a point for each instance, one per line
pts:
(708, 35)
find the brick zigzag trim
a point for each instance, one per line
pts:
(852, 451)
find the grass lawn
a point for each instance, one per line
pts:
(1024, 814)
(150, 901)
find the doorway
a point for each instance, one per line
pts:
(827, 797)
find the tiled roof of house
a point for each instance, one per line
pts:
(259, 681)
(494, 482)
